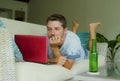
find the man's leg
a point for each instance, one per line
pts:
(75, 26)
(92, 29)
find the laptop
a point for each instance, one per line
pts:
(33, 48)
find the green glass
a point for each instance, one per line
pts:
(93, 57)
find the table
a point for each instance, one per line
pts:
(102, 75)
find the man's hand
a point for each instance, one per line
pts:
(61, 60)
(55, 41)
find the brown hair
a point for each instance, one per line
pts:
(58, 17)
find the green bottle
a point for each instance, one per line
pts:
(93, 57)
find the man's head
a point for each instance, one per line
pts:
(58, 17)
(56, 25)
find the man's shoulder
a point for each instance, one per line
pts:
(72, 35)
(72, 38)
(70, 32)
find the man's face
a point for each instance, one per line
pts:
(55, 29)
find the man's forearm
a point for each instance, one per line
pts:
(57, 54)
(52, 60)
(68, 64)
(56, 51)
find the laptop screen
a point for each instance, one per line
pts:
(33, 48)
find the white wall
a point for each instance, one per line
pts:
(84, 11)
(39, 10)
(106, 11)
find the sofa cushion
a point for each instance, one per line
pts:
(17, 53)
(1, 24)
(84, 37)
(41, 72)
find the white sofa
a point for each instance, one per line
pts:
(28, 71)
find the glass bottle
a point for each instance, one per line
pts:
(93, 58)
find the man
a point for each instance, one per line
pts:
(64, 46)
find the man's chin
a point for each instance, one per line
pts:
(50, 37)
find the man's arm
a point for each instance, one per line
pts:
(69, 63)
(58, 58)
(56, 54)
(61, 60)
(52, 60)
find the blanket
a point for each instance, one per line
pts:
(7, 59)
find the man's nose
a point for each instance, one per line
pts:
(53, 31)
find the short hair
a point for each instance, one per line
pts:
(58, 17)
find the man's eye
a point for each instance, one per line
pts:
(48, 29)
(57, 28)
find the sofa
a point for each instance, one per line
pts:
(30, 71)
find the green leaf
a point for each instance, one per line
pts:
(101, 38)
(118, 37)
(112, 43)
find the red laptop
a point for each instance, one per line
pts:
(33, 48)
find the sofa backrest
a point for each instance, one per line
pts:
(19, 27)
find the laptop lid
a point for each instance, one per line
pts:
(33, 48)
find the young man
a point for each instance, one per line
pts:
(64, 46)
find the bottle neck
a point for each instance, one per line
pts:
(93, 45)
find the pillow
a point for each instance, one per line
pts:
(84, 37)
(7, 59)
(28, 71)
(17, 53)
(1, 24)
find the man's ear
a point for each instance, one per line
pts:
(66, 29)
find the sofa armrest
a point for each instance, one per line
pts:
(28, 71)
